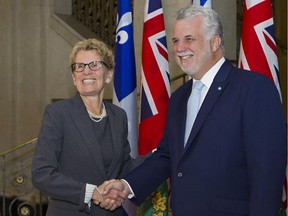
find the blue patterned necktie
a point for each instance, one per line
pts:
(193, 107)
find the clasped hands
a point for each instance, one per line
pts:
(111, 194)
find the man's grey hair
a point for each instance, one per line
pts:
(212, 24)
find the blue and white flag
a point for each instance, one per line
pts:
(125, 91)
(125, 84)
(204, 3)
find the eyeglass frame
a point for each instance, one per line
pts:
(88, 64)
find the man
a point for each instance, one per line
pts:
(233, 162)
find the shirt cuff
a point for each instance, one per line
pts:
(88, 193)
(132, 192)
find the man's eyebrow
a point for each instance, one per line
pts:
(188, 36)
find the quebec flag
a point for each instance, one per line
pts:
(125, 91)
(204, 3)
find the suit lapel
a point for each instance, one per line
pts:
(116, 138)
(83, 123)
(179, 116)
(218, 86)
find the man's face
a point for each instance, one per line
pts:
(191, 47)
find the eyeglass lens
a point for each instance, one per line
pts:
(94, 66)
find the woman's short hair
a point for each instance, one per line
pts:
(100, 47)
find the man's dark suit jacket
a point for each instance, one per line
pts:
(234, 162)
(68, 156)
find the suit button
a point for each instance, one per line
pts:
(180, 174)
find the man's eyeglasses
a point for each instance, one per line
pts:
(94, 66)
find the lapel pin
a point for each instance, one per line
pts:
(219, 88)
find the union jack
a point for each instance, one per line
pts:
(155, 78)
(258, 48)
(258, 37)
(155, 93)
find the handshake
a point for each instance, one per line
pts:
(111, 194)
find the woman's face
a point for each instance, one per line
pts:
(89, 82)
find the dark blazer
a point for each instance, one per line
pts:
(235, 160)
(68, 156)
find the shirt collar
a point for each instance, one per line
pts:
(208, 77)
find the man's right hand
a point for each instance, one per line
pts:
(114, 194)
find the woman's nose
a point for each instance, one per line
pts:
(87, 70)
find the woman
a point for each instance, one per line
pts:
(83, 140)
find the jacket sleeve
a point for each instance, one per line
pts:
(265, 140)
(46, 175)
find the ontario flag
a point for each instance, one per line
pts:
(258, 49)
(155, 93)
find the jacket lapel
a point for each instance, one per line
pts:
(215, 91)
(116, 138)
(83, 123)
(177, 122)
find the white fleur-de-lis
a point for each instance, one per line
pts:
(125, 20)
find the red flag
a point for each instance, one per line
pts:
(155, 78)
(258, 48)
(155, 93)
